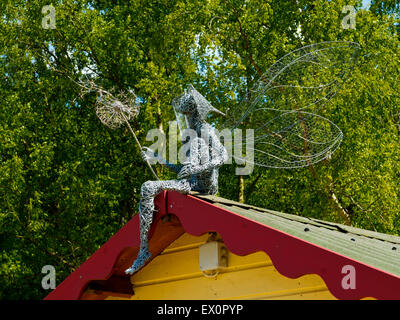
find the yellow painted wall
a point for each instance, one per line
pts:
(175, 274)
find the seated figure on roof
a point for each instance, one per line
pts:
(199, 173)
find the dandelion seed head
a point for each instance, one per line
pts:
(113, 112)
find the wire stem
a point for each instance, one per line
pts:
(140, 146)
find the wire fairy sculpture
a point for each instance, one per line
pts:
(283, 112)
(199, 173)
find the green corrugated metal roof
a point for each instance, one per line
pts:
(378, 250)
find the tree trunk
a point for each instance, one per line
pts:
(241, 189)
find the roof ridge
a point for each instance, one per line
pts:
(317, 222)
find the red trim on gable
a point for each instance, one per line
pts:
(118, 253)
(291, 256)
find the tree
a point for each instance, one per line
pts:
(68, 183)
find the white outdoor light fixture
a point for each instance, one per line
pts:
(213, 256)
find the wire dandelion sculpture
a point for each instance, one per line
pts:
(113, 113)
(115, 110)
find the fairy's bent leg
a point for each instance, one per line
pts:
(148, 192)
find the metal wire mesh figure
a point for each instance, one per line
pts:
(285, 104)
(198, 173)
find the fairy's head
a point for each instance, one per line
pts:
(191, 103)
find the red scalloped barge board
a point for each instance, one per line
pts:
(291, 256)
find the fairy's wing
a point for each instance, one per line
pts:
(304, 79)
(282, 111)
(287, 142)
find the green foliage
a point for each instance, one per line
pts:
(68, 183)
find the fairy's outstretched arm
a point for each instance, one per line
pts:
(145, 155)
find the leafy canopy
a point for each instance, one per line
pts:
(68, 183)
